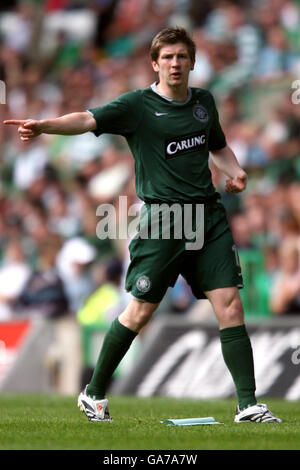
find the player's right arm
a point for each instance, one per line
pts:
(69, 124)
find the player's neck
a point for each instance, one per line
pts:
(178, 93)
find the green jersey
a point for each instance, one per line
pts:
(170, 142)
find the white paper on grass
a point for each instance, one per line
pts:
(190, 421)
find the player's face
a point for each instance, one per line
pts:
(173, 65)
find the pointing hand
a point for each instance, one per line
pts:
(28, 128)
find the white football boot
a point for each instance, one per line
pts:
(95, 410)
(258, 413)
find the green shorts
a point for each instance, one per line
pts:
(157, 261)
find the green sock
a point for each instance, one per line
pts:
(115, 345)
(237, 354)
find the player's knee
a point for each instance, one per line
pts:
(143, 315)
(233, 311)
(138, 314)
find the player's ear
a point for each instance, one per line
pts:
(193, 65)
(155, 66)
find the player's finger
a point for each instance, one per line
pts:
(15, 122)
(237, 190)
(24, 131)
(242, 178)
(239, 186)
(29, 123)
(231, 188)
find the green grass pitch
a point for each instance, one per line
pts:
(51, 422)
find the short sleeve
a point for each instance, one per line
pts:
(217, 139)
(120, 116)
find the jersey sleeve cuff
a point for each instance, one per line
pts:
(217, 147)
(96, 131)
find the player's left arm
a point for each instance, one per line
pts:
(226, 161)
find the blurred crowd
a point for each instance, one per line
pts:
(61, 56)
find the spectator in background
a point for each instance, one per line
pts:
(203, 71)
(264, 278)
(47, 293)
(43, 294)
(22, 22)
(74, 264)
(244, 34)
(30, 164)
(14, 273)
(285, 296)
(275, 58)
(45, 298)
(293, 202)
(60, 218)
(181, 297)
(241, 229)
(229, 25)
(105, 303)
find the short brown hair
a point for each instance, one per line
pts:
(172, 36)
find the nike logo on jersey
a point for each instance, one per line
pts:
(160, 114)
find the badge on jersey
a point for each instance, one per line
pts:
(143, 284)
(200, 113)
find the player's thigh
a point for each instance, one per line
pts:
(215, 266)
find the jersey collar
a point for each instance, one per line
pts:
(171, 100)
